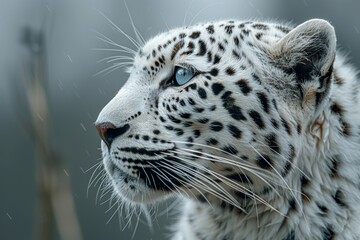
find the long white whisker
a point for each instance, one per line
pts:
(137, 33)
(131, 39)
(107, 40)
(115, 58)
(113, 68)
(230, 199)
(234, 185)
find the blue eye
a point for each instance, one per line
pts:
(182, 75)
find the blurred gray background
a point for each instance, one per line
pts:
(76, 95)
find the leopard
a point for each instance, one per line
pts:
(253, 125)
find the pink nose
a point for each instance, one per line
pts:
(108, 132)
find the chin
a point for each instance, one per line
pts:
(131, 188)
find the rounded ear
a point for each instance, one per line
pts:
(308, 50)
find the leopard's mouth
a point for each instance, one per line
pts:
(144, 180)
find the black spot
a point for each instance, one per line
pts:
(240, 177)
(324, 210)
(328, 233)
(179, 131)
(290, 236)
(157, 132)
(174, 107)
(192, 86)
(234, 131)
(185, 115)
(199, 110)
(256, 77)
(196, 133)
(182, 102)
(182, 35)
(274, 123)
(286, 126)
(264, 162)
(229, 104)
(191, 101)
(212, 141)
(216, 126)
(246, 31)
(209, 56)
(217, 88)
(236, 54)
(259, 35)
(260, 26)
(216, 59)
(264, 101)
(210, 29)
(334, 166)
(230, 71)
(230, 149)
(162, 119)
(299, 128)
(195, 35)
(283, 29)
(292, 153)
(340, 198)
(304, 181)
(229, 29)
(146, 138)
(202, 48)
(174, 119)
(236, 41)
(221, 47)
(214, 72)
(187, 124)
(272, 142)
(189, 141)
(292, 204)
(244, 86)
(256, 117)
(191, 45)
(287, 168)
(203, 120)
(337, 109)
(169, 127)
(202, 93)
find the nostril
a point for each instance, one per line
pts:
(108, 132)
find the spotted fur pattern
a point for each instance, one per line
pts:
(263, 143)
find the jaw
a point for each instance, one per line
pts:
(129, 187)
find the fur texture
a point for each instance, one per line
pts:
(262, 143)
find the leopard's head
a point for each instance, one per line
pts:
(217, 111)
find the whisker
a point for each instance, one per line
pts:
(234, 185)
(131, 39)
(113, 68)
(107, 40)
(137, 33)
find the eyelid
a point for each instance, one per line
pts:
(186, 65)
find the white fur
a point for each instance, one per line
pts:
(320, 139)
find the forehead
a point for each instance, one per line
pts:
(225, 32)
(208, 44)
